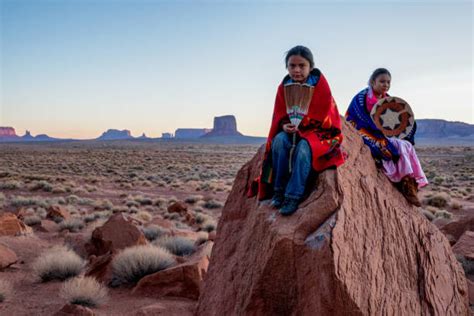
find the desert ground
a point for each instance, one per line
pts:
(172, 193)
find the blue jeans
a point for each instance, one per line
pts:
(291, 185)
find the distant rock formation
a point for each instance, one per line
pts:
(191, 132)
(143, 137)
(354, 247)
(7, 132)
(224, 126)
(433, 128)
(27, 136)
(114, 134)
(166, 135)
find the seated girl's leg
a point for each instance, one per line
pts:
(281, 146)
(301, 170)
(407, 165)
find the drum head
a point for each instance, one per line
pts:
(393, 116)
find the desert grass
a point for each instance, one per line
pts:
(209, 225)
(153, 232)
(177, 245)
(6, 290)
(73, 225)
(133, 263)
(85, 291)
(32, 220)
(59, 263)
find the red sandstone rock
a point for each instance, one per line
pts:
(56, 211)
(470, 285)
(212, 236)
(48, 226)
(101, 268)
(184, 280)
(177, 309)
(354, 247)
(178, 207)
(117, 233)
(77, 242)
(465, 245)
(7, 257)
(10, 225)
(76, 310)
(457, 228)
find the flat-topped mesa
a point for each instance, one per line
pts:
(224, 126)
(112, 134)
(354, 247)
(7, 132)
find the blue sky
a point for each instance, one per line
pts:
(75, 68)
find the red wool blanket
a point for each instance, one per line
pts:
(321, 128)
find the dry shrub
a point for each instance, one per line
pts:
(443, 214)
(438, 200)
(429, 215)
(58, 263)
(177, 245)
(456, 205)
(85, 291)
(32, 220)
(144, 216)
(73, 225)
(153, 232)
(5, 290)
(133, 263)
(202, 238)
(209, 225)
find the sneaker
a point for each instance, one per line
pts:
(277, 201)
(289, 206)
(409, 189)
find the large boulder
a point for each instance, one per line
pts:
(7, 257)
(465, 245)
(10, 225)
(117, 233)
(354, 247)
(183, 280)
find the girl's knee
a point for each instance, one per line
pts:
(281, 141)
(303, 149)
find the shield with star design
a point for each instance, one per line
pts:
(393, 116)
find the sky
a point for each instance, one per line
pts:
(75, 68)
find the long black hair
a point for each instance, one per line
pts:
(302, 51)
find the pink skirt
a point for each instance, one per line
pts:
(407, 165)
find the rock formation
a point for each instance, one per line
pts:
(354, 247)
(224, 126)
(115, 134)
(7, 132)
(432, 128)
(190, 132)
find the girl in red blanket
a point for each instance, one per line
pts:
(312, 145)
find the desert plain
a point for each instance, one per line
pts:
(169, 194)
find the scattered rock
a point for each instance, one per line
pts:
(7, 257)
(101, 268)
(184, 280)
(458, 227)
(465, 245)
(176, 309)
(354, 247)
(77, 242)
(117, 233)
(178, 207)
(57, 213)
(48, 226)
(10, 225)
(76, 310)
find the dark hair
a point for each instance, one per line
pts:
(377, 72)
(300, 51)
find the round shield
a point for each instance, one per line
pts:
(393, 116)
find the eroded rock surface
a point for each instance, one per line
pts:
(354, 247)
